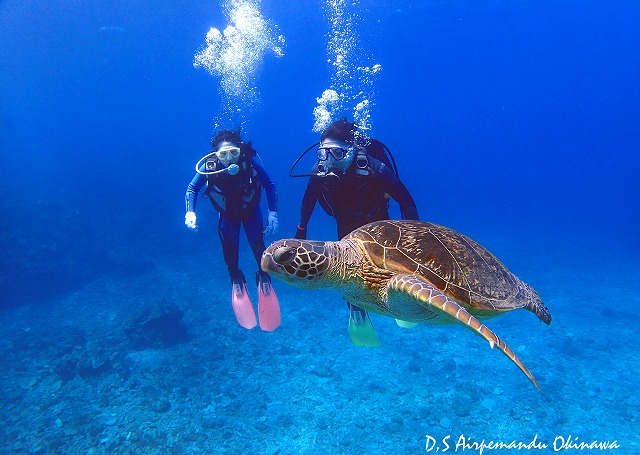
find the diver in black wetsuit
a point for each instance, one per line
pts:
(354, 188)
(234, 178)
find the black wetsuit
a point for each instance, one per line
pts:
(237, 198)
(354, 199)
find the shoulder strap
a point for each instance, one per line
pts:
(375, 149)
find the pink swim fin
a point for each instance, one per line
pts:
(242, 306)
(268, 306)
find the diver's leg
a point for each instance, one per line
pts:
(268, 305)
(229, 232)
(253, 229)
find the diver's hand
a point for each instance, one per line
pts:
(272, 223)
(190, 221)
(301, 233)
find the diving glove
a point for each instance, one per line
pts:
(272, 223)
(190, 221)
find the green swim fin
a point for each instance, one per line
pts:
(361, 329)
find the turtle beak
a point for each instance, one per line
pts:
(267, 263)
(276, 256)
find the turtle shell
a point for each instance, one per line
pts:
(455, 264)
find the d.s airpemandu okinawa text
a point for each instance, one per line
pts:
(558, 444)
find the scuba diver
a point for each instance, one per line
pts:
(234, 175)
(353, 180)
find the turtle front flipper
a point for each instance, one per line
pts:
(403, 290)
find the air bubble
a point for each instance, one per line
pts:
(236, 54)
(352, 84)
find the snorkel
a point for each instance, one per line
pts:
(295, 163)
(210, 165)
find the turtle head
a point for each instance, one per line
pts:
(302, 263)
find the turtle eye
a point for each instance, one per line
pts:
(284, 255)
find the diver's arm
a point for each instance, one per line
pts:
(193, 190)
(309, 202)
(396, 189)
(267, 183)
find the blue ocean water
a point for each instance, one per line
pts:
(516, 123)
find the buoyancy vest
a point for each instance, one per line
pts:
(357, 194)
(355, 198)
(236, 196)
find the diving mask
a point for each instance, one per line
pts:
(334, 159)
(333, 156)
(338, 153)
(228, 152)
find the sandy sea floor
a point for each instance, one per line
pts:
(73, 380)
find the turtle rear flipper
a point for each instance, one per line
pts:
(405, 290)
(536, 305)
(406, 324)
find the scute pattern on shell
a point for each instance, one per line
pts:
(452, 262)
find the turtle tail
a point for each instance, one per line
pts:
(536, 305)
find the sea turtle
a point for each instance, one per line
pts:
(412, 271)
